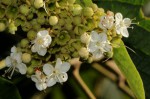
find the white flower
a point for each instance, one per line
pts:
(42, 41)
(14, 62)
(40, 80)
(57, 73)
(122, 24)
(98, 44)
(106, 22)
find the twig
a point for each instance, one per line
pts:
(76, 63)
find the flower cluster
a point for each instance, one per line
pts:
(58, 31)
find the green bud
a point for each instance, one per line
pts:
(75, 54)
(12, 28)
(94, 7)
(88, 12)
(61, 22)
(11, 12)
(24, 43)
(30, 16)
(30, 70)
(63, 38)
(90, 60)
(31, 35)
(6, 2)
(2, 26)
(41, 20)
(77, 10)
(53, 20)
(2, 12)
(19, 22)
(71, 1)
(77, 20)
(26, 27)
(63, 56)
(115, 42)
(24, 9)
(26, 57)
(38, 3)
(77, 45)
(68, 26)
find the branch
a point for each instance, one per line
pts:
(76, 63)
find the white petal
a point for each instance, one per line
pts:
(17, 57)
(41, 86)
(92, 47)
(48, 69)
(118, 29)
(127, 22)
(47, 40)
(107, 48)
(8, 61)
(42, 51)
(97, 54)
(22, 68)
(103, 37)
(42, 33)
(95, 36)
(58, 64)
(118, 17)
(34, 48)
(124, 32)
(65, 67)
(51, 82)
(62, 77)
(34, 78)
(14, 49)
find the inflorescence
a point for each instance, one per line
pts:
(58, 31)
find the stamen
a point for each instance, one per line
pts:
(44, 6)
(136, 23)
(131, 27)
(133, 19)
(7, 71)
(13, 69)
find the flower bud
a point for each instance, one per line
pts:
(77, 9)
(71, 1)
(68, 26)
(12, 27)
(83, 52)
(88, 12)
(24, 9)
(94, 7)
(53, 20)
(85, 38)
(2, 12)
(6, 2)
(31, 35)
(115, 42)
(109, 54)
(77, 20)
(2, 26)
(11, 12)
(38, 3)
(30, 70)
(24, 43)
(26, 57)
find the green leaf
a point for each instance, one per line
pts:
(127, 67)
(134, 2)
(8, 90)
